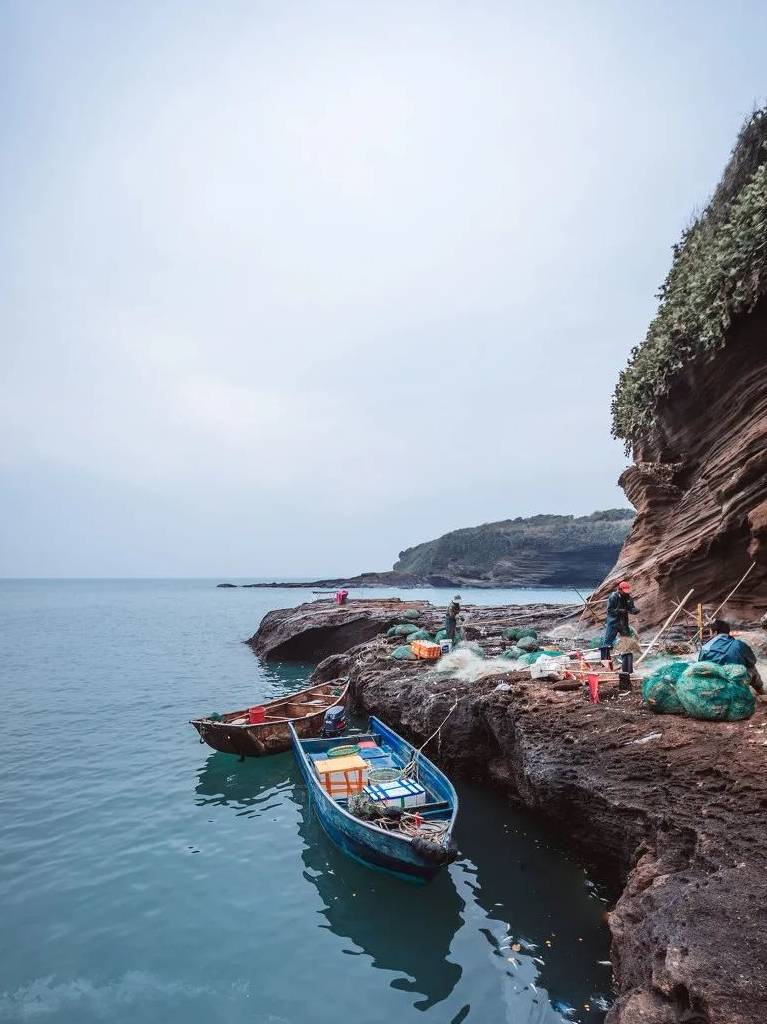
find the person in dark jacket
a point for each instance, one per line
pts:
(725, 649)
(620, 604)
(451, 617)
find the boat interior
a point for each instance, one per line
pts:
(374, 748)
(294, 705)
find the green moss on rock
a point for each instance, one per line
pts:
(719, 272)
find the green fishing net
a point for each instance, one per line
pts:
(718, 693)
(402, 629)
(421, 634)
(441, 634)
(512, 653)
(659, 689)
(403, 653)
(527, 643)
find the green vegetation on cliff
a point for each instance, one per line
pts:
(719, 272)
(544, 549)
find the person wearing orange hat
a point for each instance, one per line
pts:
(620, 604)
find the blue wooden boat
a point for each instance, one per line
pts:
(414, 856)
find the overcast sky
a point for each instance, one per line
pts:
(288, 287)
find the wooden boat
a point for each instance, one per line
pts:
(414, 857)
(233, 733)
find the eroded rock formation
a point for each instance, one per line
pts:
(692, 402)
(699, 486)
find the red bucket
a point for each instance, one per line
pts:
(256, 715)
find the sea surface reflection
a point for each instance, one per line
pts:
(145, 878)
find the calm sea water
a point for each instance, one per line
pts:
(144, 878)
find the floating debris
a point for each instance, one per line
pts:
(601, 1002)
(646, 739)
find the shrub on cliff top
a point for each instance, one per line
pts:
(719, 272)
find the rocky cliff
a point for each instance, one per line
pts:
(545, 550)
(692, 403)
(540, 551)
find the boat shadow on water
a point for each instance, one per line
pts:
(410, 932)
(412, 941)
(420, 922)
(248, 786)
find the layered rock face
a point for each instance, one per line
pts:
(699, 486)
(544, 550)
(692, 402)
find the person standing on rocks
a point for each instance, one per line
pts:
(451, 617)
(620, 604)
(725, 649)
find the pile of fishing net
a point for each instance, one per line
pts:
(403, 653)
(421, 634)
(361, 806)
(402, 629)
(525, 656)
(441, 634)
(411, 613)
(716, 693)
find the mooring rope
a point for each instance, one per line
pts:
(411, 768)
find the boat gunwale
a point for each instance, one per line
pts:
(315, 785)
(285, 699)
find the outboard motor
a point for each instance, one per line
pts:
(334, 723)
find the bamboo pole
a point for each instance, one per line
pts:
(666, 624)
(742, 579)
(689, 615)
(593, 613)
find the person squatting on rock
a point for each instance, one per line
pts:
(725, 649)
(620, 604)
(451, 617)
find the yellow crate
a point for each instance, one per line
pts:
(342, 776)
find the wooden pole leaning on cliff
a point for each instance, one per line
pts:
(666, 624)
(737, 586)
(586, 603)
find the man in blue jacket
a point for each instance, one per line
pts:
(724, 649)
(619, 605)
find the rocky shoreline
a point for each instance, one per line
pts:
(674, 807)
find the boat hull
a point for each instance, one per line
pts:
(372, 846)
(266, 737)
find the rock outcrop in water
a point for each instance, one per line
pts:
(693, 403)
(314, 630)
(675, 806)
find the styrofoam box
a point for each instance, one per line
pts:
(403, 793)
